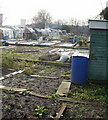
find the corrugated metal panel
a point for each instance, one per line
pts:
(98, 55)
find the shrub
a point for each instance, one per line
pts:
(7, 60)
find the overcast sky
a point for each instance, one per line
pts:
(14, 10)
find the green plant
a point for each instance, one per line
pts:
(81, 117)
(28, 71)
(24, 92)
(54, 97)
(80, 43)
(6, 107)
(69, 93)
(40, 111)
(90, 92)
(19, 106)
(65, 76)
(11, 91)
(30, 83)
(7, 59)
(20, 65)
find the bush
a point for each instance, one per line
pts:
(104, 13)
(7, 60)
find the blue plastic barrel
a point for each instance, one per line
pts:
(5, 37)
(79, 69)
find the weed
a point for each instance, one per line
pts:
(92, 93)
(84, 108)
(20, 65)
(6, 107)
(69, 93)
(30, 83)
(20, 106)
(28, 71)
(46, 82)
(56, 88)
(65, 76)
(81, 117)
(11, 91)
(7, 59)
(24, 92)
(76, 106)
(54, 97)
(40, 111)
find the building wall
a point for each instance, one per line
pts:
(98, 62)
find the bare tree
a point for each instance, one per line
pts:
(58, 22)
(79, 26)
(74, 25)
(42, 18)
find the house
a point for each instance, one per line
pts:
(6, 33)
(18, 32)
(29, 33)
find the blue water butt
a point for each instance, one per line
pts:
(79, 69)
(5, 37)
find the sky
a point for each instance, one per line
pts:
(15, 10)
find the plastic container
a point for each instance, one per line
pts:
(79, 69)
(5, 37)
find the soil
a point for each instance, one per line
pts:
(20, 107)
(23, 106)
(83, 112)
(38, 85)
(7, 71)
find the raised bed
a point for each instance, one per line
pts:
(38, 85)
(22, 107)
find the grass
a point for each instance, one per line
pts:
(28, 71)
(89, 92)
(40, 61)
(8, 61)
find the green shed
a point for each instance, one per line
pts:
(98, 63)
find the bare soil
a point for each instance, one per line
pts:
(20, 107)
(38, 85)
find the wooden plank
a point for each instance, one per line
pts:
(17, 72)
(38, 76)
(63, 88)
(11, 74)
(1, 86)
(14, 89)
(60, 113)
(45, 62)
(39, 95)
(64, 99)
(2, 78)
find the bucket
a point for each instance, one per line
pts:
(79, 69)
